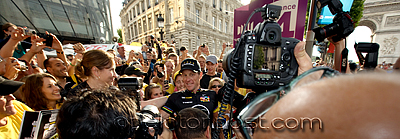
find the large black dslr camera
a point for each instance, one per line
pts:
(342, 25)
(266, 58)
(146, 116)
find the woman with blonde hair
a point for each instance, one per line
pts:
(97, 67)
(41, 92)
(216, 84)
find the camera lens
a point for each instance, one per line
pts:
(323, 32)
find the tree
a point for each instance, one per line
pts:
(120, 35)
(356, 11)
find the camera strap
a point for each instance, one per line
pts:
(344, 59)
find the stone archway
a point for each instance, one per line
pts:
(383, 18)
(370, 24)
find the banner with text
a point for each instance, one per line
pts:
(292, 19)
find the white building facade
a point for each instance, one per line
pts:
(190, 23)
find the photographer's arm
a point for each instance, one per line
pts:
(37, 47)
(223, 50)
(198, 53)
(339, 46)
(40, 59)
(59, 49)
(16, 36)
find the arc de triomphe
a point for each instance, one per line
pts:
(383, 18)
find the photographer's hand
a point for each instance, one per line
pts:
(18, 34)
(36, 48)
(12, 68)
(56, 45)
(166, 134)
(302, 58)
(79, 48)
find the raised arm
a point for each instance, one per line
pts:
(16, 36)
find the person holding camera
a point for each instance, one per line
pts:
(18, 45)
(160, 78)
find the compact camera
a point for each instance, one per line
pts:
(266, 58)
(29, 32)
(22, 64)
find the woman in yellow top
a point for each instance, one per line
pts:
(41, 92)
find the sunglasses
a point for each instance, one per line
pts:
(262, 103)
(215, 86)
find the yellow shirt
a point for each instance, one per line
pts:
(170, 89)
(11, 129)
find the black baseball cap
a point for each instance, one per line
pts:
(133, 70)
(190, 64)
(183, 48)
(9, 86)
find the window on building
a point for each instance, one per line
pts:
(220, 5)
(213, 22)
(133, 12)
(197, 15)
(226, 7)
(214, 3)
(148, 3)
(156, 2)
(142, 6)
(226, 27)
(190, 44)
(171, 16)
(179, 11)
(140, 28)
(198, 41)
(135, 29)
(144, 25)
(206, 17)
(138, 10)
(220, 25)
(150, 23)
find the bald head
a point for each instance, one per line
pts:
(396, 66)
(351, 106)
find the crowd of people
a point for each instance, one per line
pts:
(82, 86)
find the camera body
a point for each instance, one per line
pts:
(342, 25)
(22, 64)
(370, 61)
(266, 58)
(147, 118)
(29, 32)
(147, 115)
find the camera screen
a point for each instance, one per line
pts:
(267, 76)
(266, 58)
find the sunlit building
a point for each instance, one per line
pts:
(190, 23)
